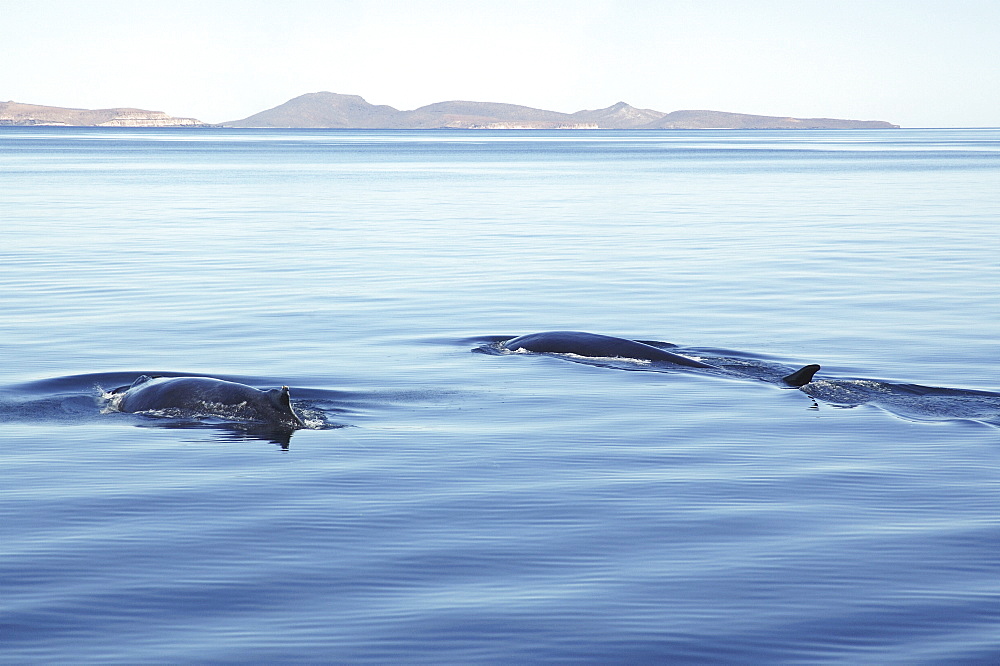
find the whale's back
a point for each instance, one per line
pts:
(207, 395)
(596, 346)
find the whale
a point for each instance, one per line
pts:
(595, 345)
(207, 395)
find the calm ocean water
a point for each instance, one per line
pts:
(446, 506)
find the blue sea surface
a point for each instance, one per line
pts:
(448, 506)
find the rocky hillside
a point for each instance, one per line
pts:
(322, 109)
(620, 116)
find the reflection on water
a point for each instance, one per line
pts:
(227, 432)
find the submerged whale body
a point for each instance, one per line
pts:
(206, 395)
(605, 346)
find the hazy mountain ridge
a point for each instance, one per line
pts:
(333, 110)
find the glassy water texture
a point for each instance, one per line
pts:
(448, 506)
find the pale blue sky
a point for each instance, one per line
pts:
(918, 63)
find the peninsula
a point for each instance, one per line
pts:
(15, 113)
(332, 110)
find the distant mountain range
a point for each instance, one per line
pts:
(332, 110)
(326, 109)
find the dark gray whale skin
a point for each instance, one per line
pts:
(597, 346)
(594, 345)
(203, 394)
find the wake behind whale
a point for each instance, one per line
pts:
(913, 402)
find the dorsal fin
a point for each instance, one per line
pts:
(280, 398)
(802, 376)
(141, 379)
(282, 401)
